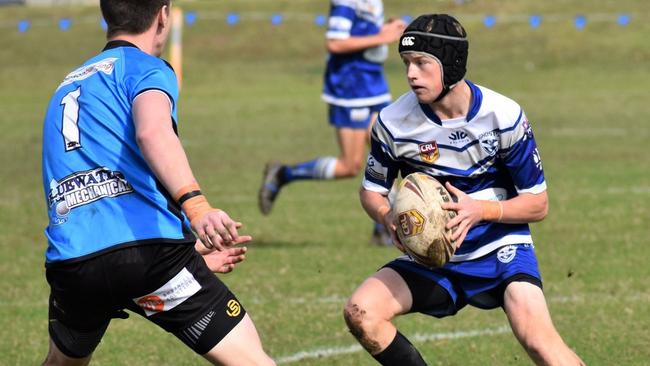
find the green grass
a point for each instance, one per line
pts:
(251, 94)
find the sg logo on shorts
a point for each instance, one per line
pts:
(233, 308)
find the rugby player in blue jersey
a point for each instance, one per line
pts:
(480, 144)
(355, 90)
(123, 202)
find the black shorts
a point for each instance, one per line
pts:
(169, 284)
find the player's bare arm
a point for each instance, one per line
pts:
(524, 208)
(378, 208)
(165, 155)
(390, 32)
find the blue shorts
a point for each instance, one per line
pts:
(357, 117)
(481, 282)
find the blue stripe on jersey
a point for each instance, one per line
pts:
(524, 164)
(450, 170)
(477, 100)
(342, 11)
(487, 232)
(448, 147)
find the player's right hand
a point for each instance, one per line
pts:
(217, 230)
(392, 30)
(390, 223)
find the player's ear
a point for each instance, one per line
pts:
(163, 18)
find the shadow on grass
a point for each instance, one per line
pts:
(273, 244)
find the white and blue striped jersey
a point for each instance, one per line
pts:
(489, 154)
(100, 192)
(356, 79)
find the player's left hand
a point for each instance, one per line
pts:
(468, 213)
(221, 261)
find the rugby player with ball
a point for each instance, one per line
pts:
(480, 145)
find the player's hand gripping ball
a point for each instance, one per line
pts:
(421, 221)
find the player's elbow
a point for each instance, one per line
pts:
(540, 208)
(145, 137)
(335, 46)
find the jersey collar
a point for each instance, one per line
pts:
(118, 43)
(477, 99)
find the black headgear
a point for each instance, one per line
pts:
(441, 36)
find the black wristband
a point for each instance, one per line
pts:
(188, 195)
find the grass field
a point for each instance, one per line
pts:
(252, 93)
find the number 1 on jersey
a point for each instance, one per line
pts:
(70, 128)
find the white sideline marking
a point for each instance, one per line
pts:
(325, 352)
(417, 338)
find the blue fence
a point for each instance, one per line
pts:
(11, 2)
(534, 21)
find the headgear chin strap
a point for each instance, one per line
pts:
(440, 36)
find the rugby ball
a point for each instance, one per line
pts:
(421, 221)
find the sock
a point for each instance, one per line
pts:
(320, 168)
(400, 352)
(378, 227)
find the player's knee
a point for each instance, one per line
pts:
(538, 346)
(363, 325)
(350, 168)
(358, 319)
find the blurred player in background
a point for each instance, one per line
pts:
(122, 202)
(481, 145)
(355, 89)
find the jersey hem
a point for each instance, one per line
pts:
(184, 241)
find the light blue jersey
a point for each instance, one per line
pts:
(489, 154)
(99, 190)
(356, 79)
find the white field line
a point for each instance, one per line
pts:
(340, 300)
(324, 352)
(417, 338)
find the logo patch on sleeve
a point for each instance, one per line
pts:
(170, 295)
(375, 170)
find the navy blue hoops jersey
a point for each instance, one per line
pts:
(99, 190)
(490, 154)
(356, 79)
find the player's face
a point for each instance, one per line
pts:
(424, 75)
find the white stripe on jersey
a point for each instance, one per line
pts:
(358, 102)
(486, 249)
(539, 188)
(340, 25)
